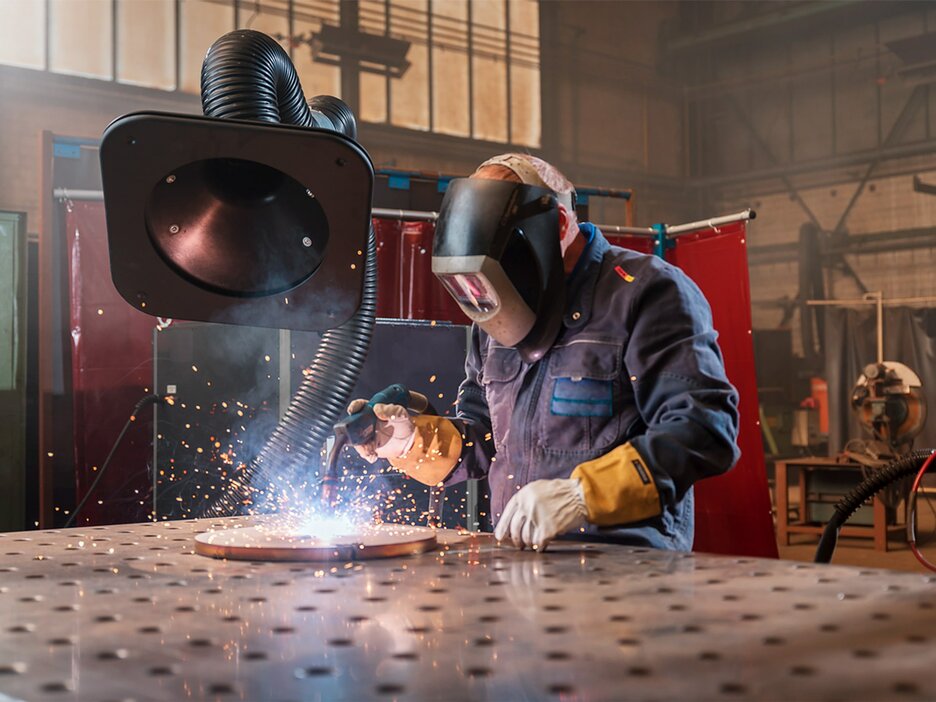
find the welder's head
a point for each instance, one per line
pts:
(498, 249)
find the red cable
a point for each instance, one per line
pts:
(912, 515)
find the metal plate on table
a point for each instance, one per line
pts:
(132, 613)
(268, 542)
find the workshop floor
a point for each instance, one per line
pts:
(855, 552)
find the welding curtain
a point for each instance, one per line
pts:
(851, 344)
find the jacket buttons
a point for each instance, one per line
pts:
(576, 315)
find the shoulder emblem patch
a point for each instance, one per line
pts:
(628, 278)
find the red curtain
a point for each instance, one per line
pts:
(112, 368)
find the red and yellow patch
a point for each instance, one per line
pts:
(628, 278)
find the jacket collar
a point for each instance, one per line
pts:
(581, 283)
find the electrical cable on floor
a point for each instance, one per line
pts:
(146, 400)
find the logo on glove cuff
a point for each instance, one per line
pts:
(641, 471)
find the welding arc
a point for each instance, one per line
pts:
(248, 75)
(909, 464)
(144, 401)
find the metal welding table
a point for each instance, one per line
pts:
(131, 613)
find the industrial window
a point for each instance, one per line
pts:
(472, 66)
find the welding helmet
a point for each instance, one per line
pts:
(496, 250)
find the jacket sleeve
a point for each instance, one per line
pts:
(450, 450)
(684, 398)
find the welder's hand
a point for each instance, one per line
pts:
(541, 511)
(395, 434)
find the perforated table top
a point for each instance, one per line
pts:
(132, 613)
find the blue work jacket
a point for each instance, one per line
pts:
(636, 362)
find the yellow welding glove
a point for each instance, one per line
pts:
(619, 488)
(434, 452)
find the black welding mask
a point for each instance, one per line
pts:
(496, 250)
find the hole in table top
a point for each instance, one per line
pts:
(418, 629)
(750, 617)
(221, 689)
(152, 629)
(557, 656)
(35, 576)
(389, 689)
(117, 654)
(144, 600)
(186, 608)
(731, 598)
(611, 598)
(429, 608)
(306, 608)
(880, 616)
(325, 590)
(477, 672)
(905, 687)
(340, 643)
(629, 642)
(829, 627)
(773, 640)
(201, 643)
(692, 629)
(709, 656)
(732, 688)
(802, 670)
(56, 686)
(258, 599)
(358, 618)
(484, 641)
(314, 671)
(17, 668)
(213, 590)
(639, 671)
(493, 598)
(107, 618)
(677, 608)
(282, 583)
(256, 655)
(553, 608)
(405, 656)
(802, 606)
(230, 618)
(560, 689)
(619, 618)
(66, 608)
(864, 653)
(916, 638)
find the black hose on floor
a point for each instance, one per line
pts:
(247, 75)
(904, 466)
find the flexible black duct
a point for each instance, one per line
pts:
(904, 466)
(247, 75)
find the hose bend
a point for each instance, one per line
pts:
(247, 75)
(895, 470)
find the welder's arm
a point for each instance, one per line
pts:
(684, 397)
(452, 450)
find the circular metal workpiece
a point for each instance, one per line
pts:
(264, 542)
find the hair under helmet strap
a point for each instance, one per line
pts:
(528, 174)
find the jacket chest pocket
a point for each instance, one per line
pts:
(499, 377)
(580, 405)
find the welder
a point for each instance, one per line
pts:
(595, 392)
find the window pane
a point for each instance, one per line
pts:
(373, 20)
(22, 33)
(202, 23)
(146, 52)
(80, 33)
(450, 67)
(525, 113)
(409, 95)
(489, 67)
(317, 78)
